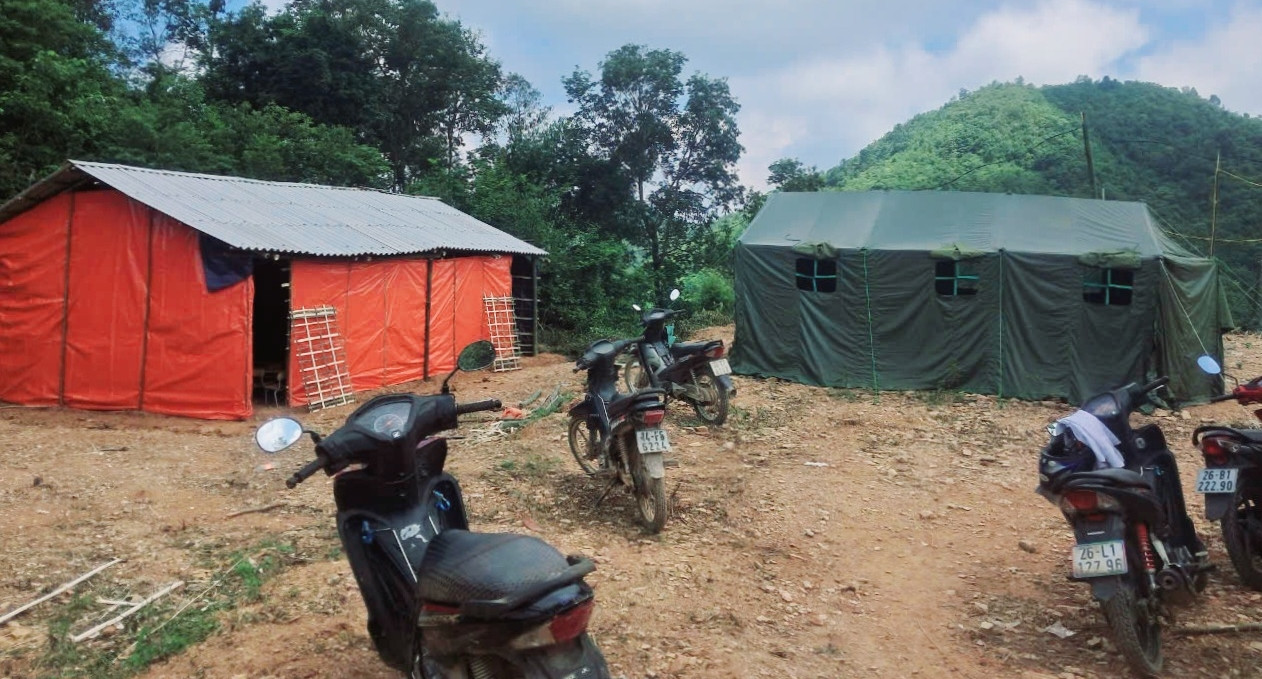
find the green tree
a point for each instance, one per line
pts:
(57, 94)
(667, 150)
(407, 80)
(789, 174)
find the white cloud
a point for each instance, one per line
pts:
(850, 100)
(1226, 61)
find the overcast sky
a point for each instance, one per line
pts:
(820, 79)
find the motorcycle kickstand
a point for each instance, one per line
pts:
(605, 494)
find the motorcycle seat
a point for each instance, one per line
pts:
(681, 349)
(624, 402)
(1109, 477)
(1254, 435)
(461, 566)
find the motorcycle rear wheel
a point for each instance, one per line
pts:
(713, 409)
(650, 493)
(1136, 630)
(1241, 527)
(583, 447)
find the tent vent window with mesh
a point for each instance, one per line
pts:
(817, 275)
(952, 278)
(1110, 287)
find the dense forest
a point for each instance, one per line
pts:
(1148, 143)
(635, 192)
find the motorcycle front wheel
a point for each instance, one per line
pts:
(1136, 630)
(711, 405)
(1242, 535)
(634, 375)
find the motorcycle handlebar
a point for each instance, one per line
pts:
(1224, 397)
(477, 406)
(307, 470)
(1155, 384)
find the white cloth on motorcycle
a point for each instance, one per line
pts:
(1088, 429)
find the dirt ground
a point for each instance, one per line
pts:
(821, 533)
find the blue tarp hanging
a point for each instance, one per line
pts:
(223, 266)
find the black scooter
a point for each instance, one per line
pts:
(1232, 479)
(696, 372)
(619, 436)
(1135, 543)
(443, 602)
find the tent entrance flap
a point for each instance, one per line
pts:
(271, 329)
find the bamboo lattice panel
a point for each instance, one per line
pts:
(321, 351)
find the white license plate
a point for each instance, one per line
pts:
(652, 440)
(719, 366)
(1097, 559)
(1221, 480)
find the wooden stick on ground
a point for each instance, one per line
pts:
(135, 607)
(255, 510)
(17, 611)
(1220, 629)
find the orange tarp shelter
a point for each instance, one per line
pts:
(105, 304)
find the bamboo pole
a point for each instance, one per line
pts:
(121, 616)
(17, 611)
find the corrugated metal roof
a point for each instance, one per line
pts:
(285, 217)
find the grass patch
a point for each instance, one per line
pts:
(533, 467)
(162, 629)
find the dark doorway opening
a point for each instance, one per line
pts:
(271, 330)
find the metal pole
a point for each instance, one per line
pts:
(534, 305)
(65, 305)
(1213, 215)
(429, 297)
(1086, 144)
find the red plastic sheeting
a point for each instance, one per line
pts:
(32, 298)
(365, 320)
(405, 322)
(442, 316)
(381, 313)
(105, 323)
(125, 335)
(199, 358)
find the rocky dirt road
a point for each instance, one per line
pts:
(821, 533)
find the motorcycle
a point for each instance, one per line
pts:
(619, 435)
(1232, 480)
(696, 372)
(1136, 545)
(443, 602)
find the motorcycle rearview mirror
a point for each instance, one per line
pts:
(1208, 365)
(278, 434)
(636, 307)
(474, 357)
(477, 356)
(674, 294)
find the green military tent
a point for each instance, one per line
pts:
(1025, 296)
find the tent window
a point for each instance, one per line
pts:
(1110, 287)
(817, 275)
(952, 278)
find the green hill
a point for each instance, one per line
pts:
(1149, 143)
